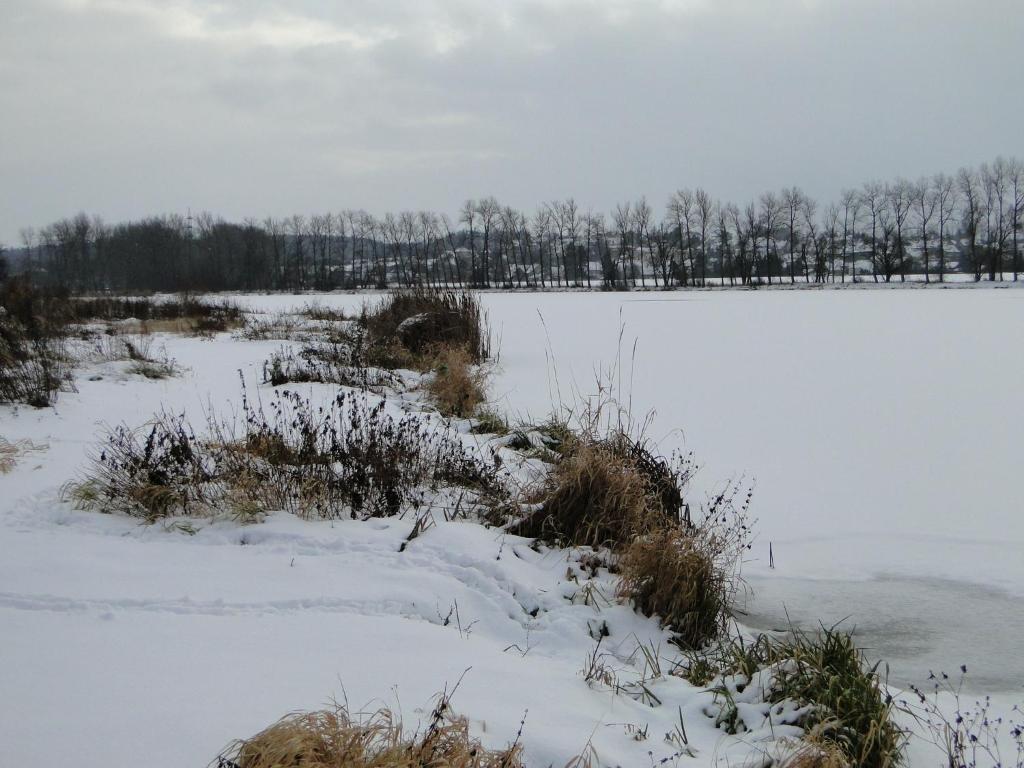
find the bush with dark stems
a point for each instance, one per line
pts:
(35, 326)
(34, 363)
(349, 458)
(969, 733)
(326, 363)
(183, 313)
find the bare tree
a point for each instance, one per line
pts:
(851, 208)
(642, 217)
(541, 226)
(997, 218)
(452, 249)
(681, 211)
(726, 267)
(1016, 176)
(946, 198)
(808, 211)
(742, 265)
(622, 217)
(590, 228)
(900, 198)
(753, 228)
(873, 197)
(488, 210)
(832, 235)
(771, 210)
(925, 202)
(792, 203)
(467, 216)
(703, 209)
(973, 210)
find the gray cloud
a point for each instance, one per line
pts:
(129, 107)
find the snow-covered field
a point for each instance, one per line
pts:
(883, 429)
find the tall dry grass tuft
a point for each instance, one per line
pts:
(607, 487)
(593, 497)
(672, 574)
(333, 738)
(420, 319)
(456, 386)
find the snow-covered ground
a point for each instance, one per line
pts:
(883, 429)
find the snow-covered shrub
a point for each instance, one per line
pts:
(488, 421)
(686, 571)
(162, 471)
(326, 363)
(36, 359)
(347, 459)
(138, 350)
(819, 682)
(282, 325)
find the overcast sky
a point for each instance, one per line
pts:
(266, 107)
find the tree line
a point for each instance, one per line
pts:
(966, 223)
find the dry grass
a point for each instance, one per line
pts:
(154, 369)
(814, 752)
(456, 387)
(138, 350)
(593, 496)
(672, 574)
(488, 421)
(314, 310)
(283, 326)
(186, 326)
(333, 738)
(10, 452)
(422, 319)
